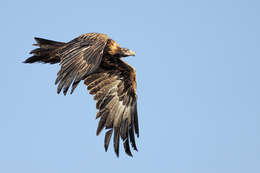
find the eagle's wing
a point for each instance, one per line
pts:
(79, 57)
(115, 93)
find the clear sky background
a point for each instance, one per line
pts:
(198, 74)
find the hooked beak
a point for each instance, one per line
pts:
(130, 53)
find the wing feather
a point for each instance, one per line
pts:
(79, 58)
(116, 140)
(114, 92)
(107, 138)
(102, 121)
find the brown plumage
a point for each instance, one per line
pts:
(96, 59)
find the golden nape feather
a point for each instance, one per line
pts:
(97, 60)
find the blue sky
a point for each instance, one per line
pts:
(197, 66)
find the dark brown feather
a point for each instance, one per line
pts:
(127, 148)
(116, 140)
(107, 138)
(102, 121)
(132, 137)
(46, 53)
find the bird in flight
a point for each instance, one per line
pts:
(97, 60)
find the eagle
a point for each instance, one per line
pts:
(97, 60)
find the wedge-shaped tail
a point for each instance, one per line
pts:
(46, 53)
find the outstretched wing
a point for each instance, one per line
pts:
(115, 93)
(79, 58)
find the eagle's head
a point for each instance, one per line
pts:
(124, 52)
(115, 50)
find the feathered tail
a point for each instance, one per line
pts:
(46, 53)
